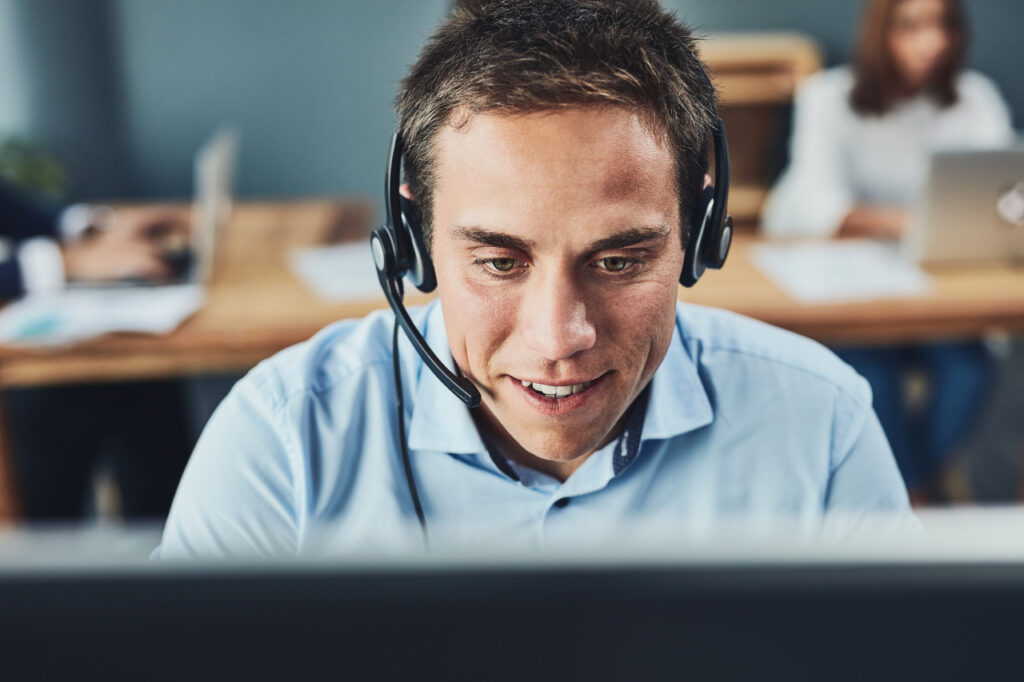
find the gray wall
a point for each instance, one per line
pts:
(309, 84)
(13, 107)
(58, 88)
(135, 85)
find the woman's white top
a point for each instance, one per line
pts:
(839, 158)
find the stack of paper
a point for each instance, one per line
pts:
(839, 271)
(77, 314)
(340, 272)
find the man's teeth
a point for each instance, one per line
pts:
(555, 391)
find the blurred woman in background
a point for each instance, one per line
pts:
(863, 136)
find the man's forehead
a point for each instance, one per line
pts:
(572, 177)
(601, 150)
(585, 126)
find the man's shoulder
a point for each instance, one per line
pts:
(713, 333)
(340, 352)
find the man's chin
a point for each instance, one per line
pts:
(542, 436)
(555, 449)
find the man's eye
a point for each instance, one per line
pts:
(502, 264)
(615, 264)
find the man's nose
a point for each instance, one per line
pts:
(554, 316)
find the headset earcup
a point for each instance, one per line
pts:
(382, 246)
(421, 270)
(717, 243)
(693, 254)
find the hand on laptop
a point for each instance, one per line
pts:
(880, 222)
(165, 224)
(133, 243)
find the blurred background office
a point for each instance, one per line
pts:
(864, 135)
(116, 96)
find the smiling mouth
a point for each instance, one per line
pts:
(556, 392)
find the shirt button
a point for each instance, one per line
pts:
(562, 502)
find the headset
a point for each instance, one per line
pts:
(400, 252)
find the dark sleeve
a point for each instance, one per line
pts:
(21, 217)
(11, 283)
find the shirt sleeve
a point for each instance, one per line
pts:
(41, 265)
(37, 265)
(77, 218)
(864, 476)
(865, 499)
(991, 127)
(813, 194)
(236, 498)
(23, 216)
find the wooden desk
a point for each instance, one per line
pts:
(255, 307)
(966, 302)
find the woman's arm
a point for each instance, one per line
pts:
(880, 222)
(814, 194)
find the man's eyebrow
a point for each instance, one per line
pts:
(622, 240)
(631, 237)
(491, 238)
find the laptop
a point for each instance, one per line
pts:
(972, 209)
(213, 180)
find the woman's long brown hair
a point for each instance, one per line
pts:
(877, 82)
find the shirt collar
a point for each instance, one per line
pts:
(441, 422)
(678, 402)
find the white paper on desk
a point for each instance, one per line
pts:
(839, 271)
(77, 314)
(339, 272)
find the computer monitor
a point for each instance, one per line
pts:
(624, 620)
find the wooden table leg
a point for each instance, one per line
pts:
(9, 503)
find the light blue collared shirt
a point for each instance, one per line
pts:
(743, 420)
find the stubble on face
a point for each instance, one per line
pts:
(557, 248)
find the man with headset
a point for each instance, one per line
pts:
(554, 157)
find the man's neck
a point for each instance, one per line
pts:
(504, 445)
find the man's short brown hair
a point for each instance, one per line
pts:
(523, 56)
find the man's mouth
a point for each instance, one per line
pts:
(555, 392)
(559, 399)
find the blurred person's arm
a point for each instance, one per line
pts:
(126, 243)
(36, 226)
(813, 195)
(880, 222)
(990, 128)
(80, 242)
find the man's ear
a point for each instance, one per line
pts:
(707, 181)
(406, 191)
